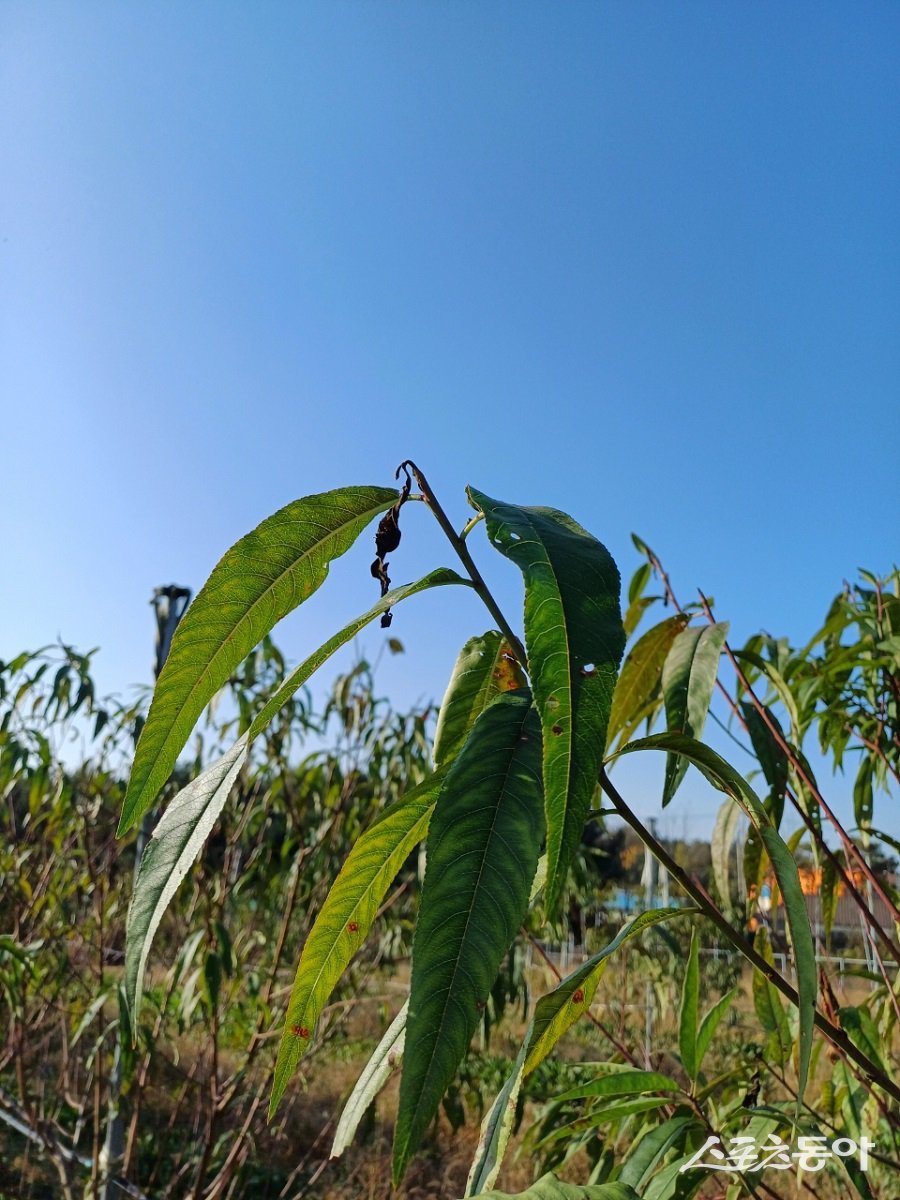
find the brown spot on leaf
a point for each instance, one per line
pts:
(507, 672)
(578, 996)
(556, 730)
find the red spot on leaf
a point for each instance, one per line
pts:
(300, 1031)
(353, 927)
(578, 996)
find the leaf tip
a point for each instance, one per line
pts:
(126, 820)
(279, 1085)
(401, 1159)
(552, 888)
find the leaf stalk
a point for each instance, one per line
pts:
(458, 543)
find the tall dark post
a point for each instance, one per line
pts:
(169, 604)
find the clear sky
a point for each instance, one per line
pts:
(635, 260)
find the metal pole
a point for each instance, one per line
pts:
(648, 1023)
(650, 873)
(169, 605)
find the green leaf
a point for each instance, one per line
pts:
(723, 776)
(90, 1014)
(346, 917)
(651, 1149)
(671, 1184)
(641, 674)
(858, 1023)
(574, 639)
(688, 1015)
(724, 830)
(438, 578)
(688, 678)
(771, 756)
(888, 840)
(639, 581)
(496, 1129)
(260, 579)
(168, 856)
(830, 893)
(853, 1100)
(602, 1115)
(384, 1061)
(638, 603)
(622, 1083)
(710, 1024)
(481, 854)
(208, 783)
(634, 613)
(863, 795)
(548, 1187)
(212, 979)
(756, 864)
(22, 954)
(779, 684)
(484, 669)
(223, 941)
(767, 1002)
(556, 1012)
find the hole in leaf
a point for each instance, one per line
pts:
(588, 669)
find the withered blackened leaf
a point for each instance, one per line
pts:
(387, 539)
(387, 536)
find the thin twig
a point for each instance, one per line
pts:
(468, 562)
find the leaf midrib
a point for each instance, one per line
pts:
(160, 904)
(570, 734)
(458, 956)
(356, 906)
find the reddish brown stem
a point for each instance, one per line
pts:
(835, 1035)
(850, 847)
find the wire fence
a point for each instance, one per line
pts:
(567, 955)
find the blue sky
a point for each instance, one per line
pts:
(638, 261)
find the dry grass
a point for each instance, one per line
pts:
(298, 1146)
